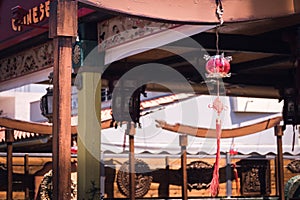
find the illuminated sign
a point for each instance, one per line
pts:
(22, 17)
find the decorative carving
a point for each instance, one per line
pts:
(121, 29)
(26, 62)
(255, 177)
(46, 188)
(294, 166)
(199, 175)
(76, 53)
(143, 178)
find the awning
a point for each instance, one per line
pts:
(195, 112)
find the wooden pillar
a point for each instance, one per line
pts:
(163, 188)
(89, 136)
(276, 175)
(9, 138)
(131, 132)
(183, 144)
(279, 134)
(26, 172)
(63, 28)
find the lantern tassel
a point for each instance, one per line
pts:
(214, 186)
(236, 176)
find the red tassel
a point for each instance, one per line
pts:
(237, 188)
(214, 186)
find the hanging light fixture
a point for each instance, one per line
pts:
(46, 104)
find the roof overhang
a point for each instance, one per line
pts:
(199, 11)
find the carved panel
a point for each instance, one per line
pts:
(26, 62)
(120, 30)
(294, 166)
(255, 177)
(143, 178)
(199, 175)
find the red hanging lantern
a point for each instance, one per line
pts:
(218, 66)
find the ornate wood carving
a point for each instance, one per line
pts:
(199, 175)
(143, 178)
(294, 166)
(255, 177)
(120, 30)
(46, 187)
(26, 62)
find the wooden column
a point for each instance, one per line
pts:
(89, 135)
(276, 175)
(9, 138)
(26, 172)
(183, 144)
(131, 132)
(63, 28)
(163, 188)
(279, 134)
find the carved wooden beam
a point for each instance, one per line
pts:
(226, 133)
(31, 127)
(34, 127)
(26, 62)
(199, 11)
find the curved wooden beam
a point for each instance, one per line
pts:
(199, 11)
(31, 127)
(226, 133)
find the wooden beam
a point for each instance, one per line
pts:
(226, 133)
(63, 29)
(259, 64)
(31, 127)
(233, 90)
(61, 143)
(199, 11)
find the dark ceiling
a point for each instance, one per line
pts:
(264, 54)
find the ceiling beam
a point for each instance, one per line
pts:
(230, 90)
(240, 43)
(259, 64)
(198, 11)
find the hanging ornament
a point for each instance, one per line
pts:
(217, 67)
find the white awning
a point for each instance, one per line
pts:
(195, 112)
